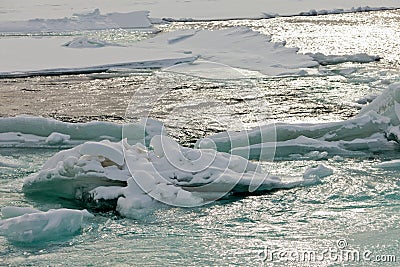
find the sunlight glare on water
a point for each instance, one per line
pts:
(358, 203)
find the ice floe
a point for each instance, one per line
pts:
(28, 225)
(374, 130)
(134, 179)
(237, 47)
(80, 22)
(30, 131)
(395, 164)
(338, 59)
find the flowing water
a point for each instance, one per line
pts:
(356, 210)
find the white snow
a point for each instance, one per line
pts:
(236, 47)
(35, 225)
(57, 138)
(320, 172)
(80, 22)
(387, 104)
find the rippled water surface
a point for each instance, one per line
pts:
(359, 204)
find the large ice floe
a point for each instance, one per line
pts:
(374, 130)
(28, 225)
(237, 47)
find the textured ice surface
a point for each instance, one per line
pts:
(34, 225)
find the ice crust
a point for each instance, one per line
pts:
(27, 225)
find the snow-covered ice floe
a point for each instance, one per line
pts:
(236, 47)
(134, 179)
(338, 59)
(80, 22)
(391, 164)
(374, 130)
(26, 225)
(26, 131)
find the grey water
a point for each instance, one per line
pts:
(354, 210)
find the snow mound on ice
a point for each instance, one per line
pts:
(84, 42)
(338, 59)
(96, 175)
(34, 225)
(80, 22)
